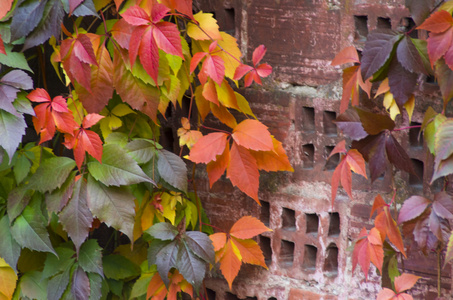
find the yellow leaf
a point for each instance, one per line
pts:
(448, 6)
(244, 105)
(114, 122)
(122, 110)
(409, 106)
(209, 28)
(226, 95)
(168, 204)
(8, 279)
(390, 105)
(100, 4)
(191, 214)
(202, 104)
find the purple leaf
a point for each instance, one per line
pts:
(412, 208)
(373, 150)
(80, 285)
(409, 57)
(375, 123)
(377, 51)
(7, 95)
(26, 18)
(18, 79)
(397, 155)
(401, 82)
(349, 122)
(419, 9)
(444, 77)
(443, 205)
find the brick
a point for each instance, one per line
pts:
(296, 294)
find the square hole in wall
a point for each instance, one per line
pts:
(251, 298)
(415, 138)
(384, 23)
(272, 298)
(210, 294)
(331, 262)
(409, 25)
(230, 21)
(266, 247)
(308, 156)
(288, 219)
(312, 223)
(361, 28)
(416, 180)
(310, 253)
(329, 126)
(333, 161)
(308, 119)
(265, 213)
(229, 296)
(334, 224)
(286, 258)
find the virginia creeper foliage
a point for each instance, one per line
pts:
(98, 205)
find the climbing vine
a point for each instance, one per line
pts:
(93, 206)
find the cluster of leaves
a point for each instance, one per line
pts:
(121, 77)
(395, 60)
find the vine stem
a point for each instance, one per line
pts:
(215, 129)
(439, 272)
(407, 127)
(215, 227)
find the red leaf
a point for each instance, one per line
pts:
(342, 172)
(135, 15)
(208, 147)
(122, 32)
(405, 281)
(243, 171)
(241, 71)
(258, 54)
(412, 208)
(368, 249)
(252, 134)
(438, 22)
(158, 12)
(183, 6)
(378, 205)
(386, 294)
(84, 141)
(263, 70)
(196, 58)
(90, 120)
(248, 227)
(149, 54)
(39, 95)
(134, 43)
(167, 38)
(2, 46)
(83, 50)
(347, 55)
(387, 227)
(438, 44)
(217, 168)
(339, 148)
(213, 66)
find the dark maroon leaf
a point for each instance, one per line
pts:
(401, 82)
(50, 24)
(397, 155)
(443, 205)
(372, 149)
(76, 217)
(200, 244)
(349, 122)
(80, 285)
(439, 227)
(421, 230)
(412, 208)
(378, 49)
(191, 267)
(409, 57)
(442, 168)
(375, 123)
(444, 77)
(26, 18)
(420, 9)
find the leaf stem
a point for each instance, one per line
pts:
(215, 129)
(407, 127)
(215, 227)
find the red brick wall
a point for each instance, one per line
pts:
(309, 250)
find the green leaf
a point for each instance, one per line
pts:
(15, 60)
(119, 267)
(9, 248)
(141, 285)
(141, 150)
(117, 168)
(23, 105)
(117, 138)
(112, 205)
(393, 268)
(57, 264)
(201, 245)
(58, 284)
(18, 199)
(29, 231)
(163, 254)
(60, 197)
(190, 266)
(12, 129)
(21, 168)
(52, 173)
(90, 257)
(76, 217)
(116, 287)
(33, 286)
(97, 286)
(172, 169)
(163, 231)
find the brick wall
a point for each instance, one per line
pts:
(309, 250)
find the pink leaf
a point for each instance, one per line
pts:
(159, 11)
(136, 16)
(258, 54)
(167, 38)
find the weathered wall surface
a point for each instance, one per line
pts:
(309, 250)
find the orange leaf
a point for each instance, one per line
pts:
(375, 249)
(405, 281)
(218, 240)
(339, 148)
(156, 288)
(224, 116)
(387, 227)
(438, 22)
(250, 251)
(253, 134)
(208, 147)
(356, 162)
(368, 249)
(243, 171)
(248, 227)
(347, 55)
(203, 105)
(378, 205)
(275, 160)
(342, 173)
(210, 92)
(383, 88)
(385, 294)
(230, 263)
(216, 168)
